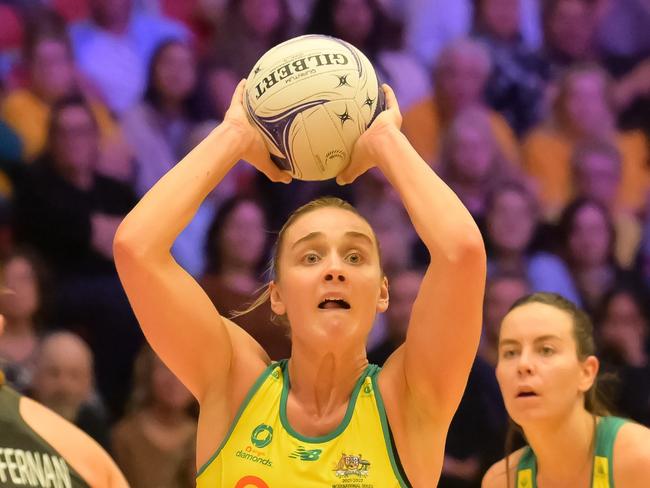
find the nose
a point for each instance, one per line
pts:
(335, 276)
(334, 271)
(524, 365)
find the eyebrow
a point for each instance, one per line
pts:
(317, 235)
(508, 342)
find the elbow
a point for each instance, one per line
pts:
(468, 248)
(127, 244)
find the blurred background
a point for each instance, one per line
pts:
(535, 112)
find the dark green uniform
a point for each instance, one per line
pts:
(26, 459)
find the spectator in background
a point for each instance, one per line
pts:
(501, 291)
(471, 162)
(52, 76)
(583, 110)
(623, 332)
(477, 433)
(404, 286)
(63, 381)
(11, 158)
(114, 47)
(236, 251)
(22, 308)
(249, 29)
(642, 263)
(35, 430)
(511, 230)
(69, 212)
(368, 26)
(433, 24)
(155, 441)
(587, 239)
(160, 129)
(460, 78)
(517, 85)
(569, 31)
(597, 175)
(218, 81)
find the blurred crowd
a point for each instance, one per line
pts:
(535, 112)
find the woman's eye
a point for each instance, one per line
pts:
(311, 258)
(508, 353)
(547, 350)
(354, 258)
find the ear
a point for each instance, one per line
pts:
(277, 305)
(382, 303)
(589, 370)
(2, 324)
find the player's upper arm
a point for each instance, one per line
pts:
(444, 330)
(179, 320)
(632, 456)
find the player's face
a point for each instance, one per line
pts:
(330, 284)
(538, 370)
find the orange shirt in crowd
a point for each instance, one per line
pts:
(546, 155)
(423, 127)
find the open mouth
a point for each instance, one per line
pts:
(334, 303)
(526, 394)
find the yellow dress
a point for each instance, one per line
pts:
(261, 450)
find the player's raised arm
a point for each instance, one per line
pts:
(445, 323)
(177, 318)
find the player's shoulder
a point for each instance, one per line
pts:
(632, 454)
(81, 452)
(497, 475)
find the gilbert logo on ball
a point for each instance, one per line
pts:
(311, 97)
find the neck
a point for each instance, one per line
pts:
(563, 447)
(83, 180)
(19, 327)
(322, 382)
(171, 109)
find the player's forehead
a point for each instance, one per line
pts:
(329, 223)
(533, 320)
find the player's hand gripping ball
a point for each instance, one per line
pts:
(311, 98)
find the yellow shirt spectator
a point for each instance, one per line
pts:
(28, 116)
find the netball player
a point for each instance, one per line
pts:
(324, 417)
(547, 374)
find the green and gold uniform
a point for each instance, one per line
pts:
(261, 450)
(603, 472)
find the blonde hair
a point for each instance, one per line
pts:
(274, 264)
